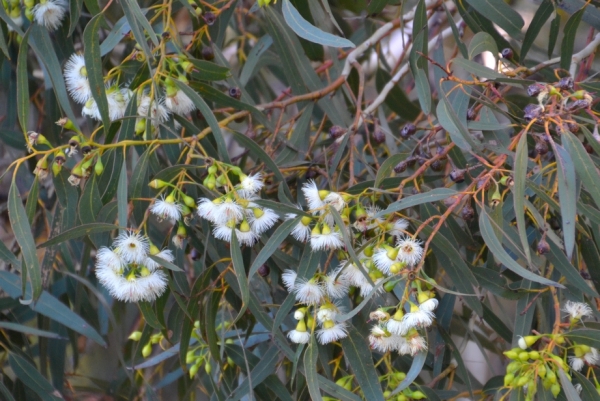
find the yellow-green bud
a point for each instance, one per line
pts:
(156, 184)
(513, 366)
(511, 354)
(140, 126)
(417, 395)
(508, 378)
(147, 350)
(194, 370)
(534, 355)
(99, 167)
(190, 357)
(542, 371)
(189, 201)
(521, 381)
(207, 367)
(555, 389)
(135, 336)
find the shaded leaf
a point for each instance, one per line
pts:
(492, 241)
(50, 307)
(78, 232)
(240, 274)
(361, 362)
(29, 375)
(542, 14)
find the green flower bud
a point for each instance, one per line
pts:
(194, 370)
(508, 379)
(156, 184)
(208, 367)
(135, 336)
(555, 389)
(99, 167)
(147, 350)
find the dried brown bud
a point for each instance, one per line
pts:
(471, 114)
(264, 270)
(566, 84)
(336, 131)
(235, 92)
(457, 176)
(467, 213)
(532, 111)
(209, 17)
(408, 130)
(507, 53)
(483, 183)
(543, 247)
(400, 167)
(541, 148)
(208, 53)
(437, 165)
(379, 136)
(535, 89)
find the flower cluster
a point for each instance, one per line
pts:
(543, 355)
(236, 209)
(128, 271)
(399, 332)
(48, 13)
(396, 253)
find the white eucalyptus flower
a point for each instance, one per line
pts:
(107, 258)
(331, 332)
(418, 318)
(50, 13)
(153, 109)
(308, 292)
(577, 310)
(398, 228)
(410, 251)
(179, 103)
(165, 254)
(289, 279)
(132, 247)
(336, 284)
(262, 219)
(166, 208)
(325, 239)
(576, 363)
(313, 195)
(430, 305)
(299, 335)
(76, 79)
(250, 184)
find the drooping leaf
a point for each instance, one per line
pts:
(542, 14)
(22, 230)
(306, 30)
(568, 42)
(520, 178)
(502, 14)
